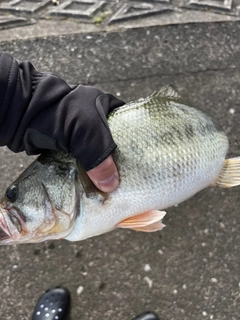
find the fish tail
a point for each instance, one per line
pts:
(230, 174)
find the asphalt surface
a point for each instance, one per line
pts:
(188, 271)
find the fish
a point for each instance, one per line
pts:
(167, 151)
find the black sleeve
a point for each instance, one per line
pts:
(41, 111)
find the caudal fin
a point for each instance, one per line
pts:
(230, 174)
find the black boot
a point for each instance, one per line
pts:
(147, 316)
(54, 304)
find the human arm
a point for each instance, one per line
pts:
(41, 111)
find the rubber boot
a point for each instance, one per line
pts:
(54, 304)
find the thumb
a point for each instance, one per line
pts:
(105, 176)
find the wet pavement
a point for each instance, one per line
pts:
(190, 270)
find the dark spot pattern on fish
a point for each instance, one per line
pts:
(206, 129)
(189, 131)
(178, 133)
(168, 137)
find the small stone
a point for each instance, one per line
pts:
(160, 251)
(232, 111)
(147, 267)
(118, 94)
(222, 225)
(204, 313)
(213, 280)
(175, 291)
(79, 290)
(184, 286)
(149, 282)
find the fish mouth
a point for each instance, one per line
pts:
(13, 229)
(10, 226)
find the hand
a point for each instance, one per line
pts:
(65, 118)
(105, 176)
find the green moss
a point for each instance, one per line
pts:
(99, 19)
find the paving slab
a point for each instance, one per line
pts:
(31, 18)
(190, 270)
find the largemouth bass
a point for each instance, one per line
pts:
(167, 151)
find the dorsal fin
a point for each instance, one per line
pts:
(166, 91)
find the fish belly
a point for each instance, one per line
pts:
(162, 189)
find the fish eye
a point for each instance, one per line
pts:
(12, 193)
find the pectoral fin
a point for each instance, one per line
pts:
(151, 227)
(149, 221)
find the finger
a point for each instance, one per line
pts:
(105, 175)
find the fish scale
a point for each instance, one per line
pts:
(175, 165)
